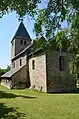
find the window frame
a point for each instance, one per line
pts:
(61, 63)
(33, 64)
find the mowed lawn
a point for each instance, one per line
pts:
(28, 104)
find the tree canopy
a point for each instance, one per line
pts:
(22, 7)
(49, 19)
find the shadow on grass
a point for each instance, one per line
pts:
(3, 94)
(75, 91)
(9, 113)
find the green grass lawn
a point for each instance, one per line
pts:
(28, 104)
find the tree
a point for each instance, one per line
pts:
(49, 22)
(50, 18)
(3, 71)
(60, 42)
(8, 68)
(22, 7)
(39, 43)
(74, 67)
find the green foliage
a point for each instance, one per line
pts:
(75, 22)
(62, 40)
(74, 45)
(3, 71)
(39, 43)
(74, 67)
(8, 68)
(74, 64)
(13, 105)
(49, 19)
(59, 42)
(22, 7)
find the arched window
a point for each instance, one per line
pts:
(33, 64)
(61, 63)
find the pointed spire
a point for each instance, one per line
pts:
(22, 32)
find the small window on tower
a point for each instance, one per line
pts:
(21, 42)
(61, 63)
(20, 62)
(33, 64)
(25, 42)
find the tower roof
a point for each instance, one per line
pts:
(21, 32)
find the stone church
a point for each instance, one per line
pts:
(46, 72)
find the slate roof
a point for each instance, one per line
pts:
(10, 73)
(21, 32)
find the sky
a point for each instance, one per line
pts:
(8, 26)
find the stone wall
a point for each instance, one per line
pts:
(38, 75)
(20, 79)
(19, 47)
(57, 80)
(17, 61)
(6, 83)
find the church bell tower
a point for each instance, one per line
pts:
(20, 40)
